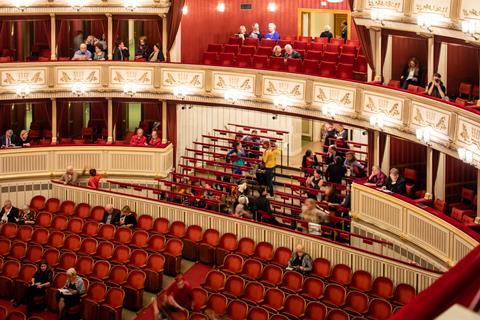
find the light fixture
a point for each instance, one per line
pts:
(23, 90)
(379, 15)
(130, 88)
(185, 10)
(22, 4)
(329, 109)
(221, 7)
(335, 1)
(79, 89)
(130, 5)
(282, 102)
(323, 3)
(427, 20)
(465, 155)
(77, 4)
(233, 95)
(378, 120)
(272, 7)
(471, 28)
(424, 134)
(181, 91)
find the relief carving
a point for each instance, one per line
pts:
(35, 79)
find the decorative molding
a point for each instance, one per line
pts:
(67, 76)
(189, 78)
(425, 116)
(470, 9)
(396, 5)
(342, 96)
(441, 7)
(140, 76)
(392, 108)
(276, 86)
(242, 82)
(32, 76)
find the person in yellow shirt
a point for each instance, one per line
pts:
(269, 159)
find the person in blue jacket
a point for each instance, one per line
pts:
(272, 34)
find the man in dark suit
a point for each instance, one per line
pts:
(9, 139)
(395, 182)
(111, 215)
(9, 213)
(120, 52)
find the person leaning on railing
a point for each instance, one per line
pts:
(395, 182)
(9, 140)
(377, 178)
(70, 176)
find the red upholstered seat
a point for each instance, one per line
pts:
(327, 69)
(52, 205)
(382, 287)
(24, 233)
(356, 302)
(235, 41)
(9, 230)
(200, 298)
(97, 213)
(5, 245)
(210, 58)
(90, 229)
(341, 274)
(67, 208)
(72, 243)
(104, 250)
(106, 232)
(227, 59)
(318, 45)
(228, 244)
(75, 226)
(145, 222)
(232, 264)
(51, 293)
(101, 271)
(112, 307)
(314, 55)
(37, 202)
(237, 310)
(117, 276)
(156, 243)
(214, 47)
(403, 294)
(91, 303)
(361, 280)
(294, 65)
(310, 67)
(251, 42)
(138, 259)
(23, 281)
(252, 269)
(88, 247)
(67, 260)
(349, 50)
(345, 71)
(315, 311)
(56, 239)
(231, 48)
(82, 210)
(294, 307)
(161, 225)
(40, 236)
(140, 239)
(379, 309)
(206, 248)
(246, 247)
(337, 314)
(84, 266)
(260, 61)
(123, 235)
(51, 256)
(244, 60)
(214, 281)
(134, 290)
(312, 288)
(59, 223)
(18, 250)
(273, 300)
(44, 219)
(10, 271)
(34, 254)
(250, 50)
(257, 313)
(253, 293)
(465, 90)
(334, 295)
(394, 83)
(173, 256)
(121, 254)
(277, 64)
(272, 275)
(234, 287)
(267, 43)
(292, 282)
(191, 240)
(321, 268)
(178, 230)
(264, 251)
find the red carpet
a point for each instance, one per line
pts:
(46, 315)
(195, 275)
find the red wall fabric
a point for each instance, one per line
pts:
(204, 24)
(457, 176)
(404, 48)
(407, 154)
(462, 66)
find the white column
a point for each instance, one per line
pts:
(109, 36)
(376, 148)
(131, 39)
(386, 155)
(53, 41)
(443, 63)
(164, 121)
(387, 64)
(110, 120)
(429, 173)
(54, 121)
(439, 187)
(430, 58)
(164, 36)
(378, 55)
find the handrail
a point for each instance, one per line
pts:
(225, 139)
(225, 148)
(221, 155)
(224, 132)
(217, 163)
(181, 175)
(279, 132)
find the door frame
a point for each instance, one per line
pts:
(332, 11)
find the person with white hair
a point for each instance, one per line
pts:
(8, 140)
(9, 213)
(256, 34)
(70, 294)
(27, 216)
(82, 53)
(300, 261)
(111, 215)
(290, 53)
(272, 33)
(241, 209)
(138, 139)
(70, 176)
(327, 32)
(242, 32)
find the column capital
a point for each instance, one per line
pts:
(108, 15)
(53, 99)
(52, 15)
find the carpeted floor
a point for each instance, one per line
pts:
(194, 275)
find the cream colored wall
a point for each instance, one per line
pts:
(318, 22)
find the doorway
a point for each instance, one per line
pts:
(313, 22)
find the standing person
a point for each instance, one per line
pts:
(127, 219)
(235, 157)
(9, 139)
(24, 140)
(120, 52)
(157, 54)
(263, 210)
(71, 292)
(436, 88)
(143, 51)
(94, 179)
(327, 32)
(395, 182)
(256, 34)
(9, 213)
(300, 260)
(411, 74)
(344, 30)
(269, 159)
(336, 171)
(70, 176)
(331, 154)
(312, 214)
(330, 135)
(40, 281)
(177, 297)
(272, 33)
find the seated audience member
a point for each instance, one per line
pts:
(395, 182)
(377, 178)
(94, 179)
(327, 32)
(436, 88)
(139, 139)
(330, 135)
(155, 140)
(314, 182)
(120, 52)
(242, 32)
(27, 216)
(411, 74)
(241, 209)
(9, 139)
(157, 54)
(71, 292)
(262, 207)
(309, 160)
(177, 297)
(103, 42)
(39, 283)
(99, 54)
(300, 260)
(341, 132)
(111, 215)
(24, 140)
(290, 53)
(336, 171)
(272, 34)
(352, 164)
(9, 213)
(344, 30)
(235, 156)
(331, 154)
(128, 219)
(277, 52)
(142, 51)
(256, 34)
(82, 53)
(70, 176)
(310, 213)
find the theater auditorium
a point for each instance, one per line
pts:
(239, 159)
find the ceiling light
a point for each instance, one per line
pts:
(130, 88)
(335, 1)
(221, 7)
(181, 91)
(272, 7)
(79, 89)
(185, 10)
(23, 90)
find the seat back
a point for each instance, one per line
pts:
(121, 254)
(106, 232)
(357, 301)
(200, 298)
(228, 241)
(101, 269)
(40, 236)
(215, 280)
(337, 314)
(84, 265)
(316, 310)
(341, 274)
(274, 298)
(59, 223)
(404, 293)
(254, 291)
(194, 233)
(237, 310)
(174, 247)
(246, 247)
(11, 269)
(272, 274)
(335, 294)
(27, 271)
(67, 260)
(295, 305)
(321, 268)
(313, 287)
(257, 313)
(379, 309)
(145, 222)
(24, 233)
(34, 253)
(382, 287)
(156, 243)
(90, 228)
(177, 229)
(252, 268)
(51, 256)
(136, 279)
(292, 280)
(97, 213)
(88, 246)
(361, 280)
(67, 208)
(44, 219)
(217, 303)
(9, 230)
(37, 202)
(138, 258)
(52, 205)
(56, 239)
(118, 274)
(18, 250)
(75, 225)
(82, 210)
(161, 225)
(211, 237)
(96, 291)
(233, 263)
(115, 297)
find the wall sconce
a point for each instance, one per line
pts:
(79, 89)
(185, 10)
(427, 20)
(233, 95)
(130, 89)
(465, 155)
(77, 4)
(221, 7)
(330, 109)
(424, 134)
(130, 5)
(22, 5)
(335, 1)
(272, 7)
(181, 91)
(379, 15)
(471, 28)
(282, 102)
(23, 90)
(378, 120)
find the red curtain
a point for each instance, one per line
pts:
(462, 66)
(384, 49)
(174, 18)
(407, 154)
(42, 114)
(5, 119)
(457, 176)
(152, 29)
(366, 42)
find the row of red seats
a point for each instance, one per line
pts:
(290, 40)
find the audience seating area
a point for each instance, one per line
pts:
(319, 57)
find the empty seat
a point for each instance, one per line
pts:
(173, 256)
(246, 247)
(315, 311)
(237, 310)
(161, 225)
(294, 307)
(248, 50)
(40, 236)
(356, 303)
(52, 205)
(252, 269)
(361, 280)
(346, 58)
(18, 250)
(317, 46)
(120, 254)
(10, 271)
(145, 222)
(200, 298)
(313, 55)
(403, 294)
(379, 309)
(382, 287)
(321, 268)
(134, 290)
(37, 202)
(123, 235)
(75, 225)
(344, 71)
(206, 248)
(312, 288)
(234, 287)
(294, 65)
(292, 282)
(101, 271)
(257, 313)
(90, 229)
(9, 230)
(231, 48)
(59, 223)
(251, 42)
(117, 276)
(191, 240)
(67, 208)
(214, 281)
(106, 232)
(23, 281)
(138, 259)
(337, 314)
(341, 274)
(310, 67)
(5, 245)
(156, 243)
(111, 308)
(334, 295)
(217, 303)
(226, 59)
(349, 50)
(260, 61)
(51, 256)
(273, 300)
(88, 247)
(82, 210)
(277, 64)
(56, 239)
(281, 256)
(154, 272)
(214, 47)
(233, 264)
(272, 275)
(253, 293)
(34, 254)
(91, 302)
(84, 266)
(44, 219)
(264, 51)
(244, 60)
(327, 69)
(97, 213)
(177, 230)
(267, 43)
(67, 260)
(235, 41)
(228, 244)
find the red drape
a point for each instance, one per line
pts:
(366, 42)
(384, 49)
(408, 154)
(5, 119)
(462, 66)
(457, 176)
(174, 18)
(42, 114)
